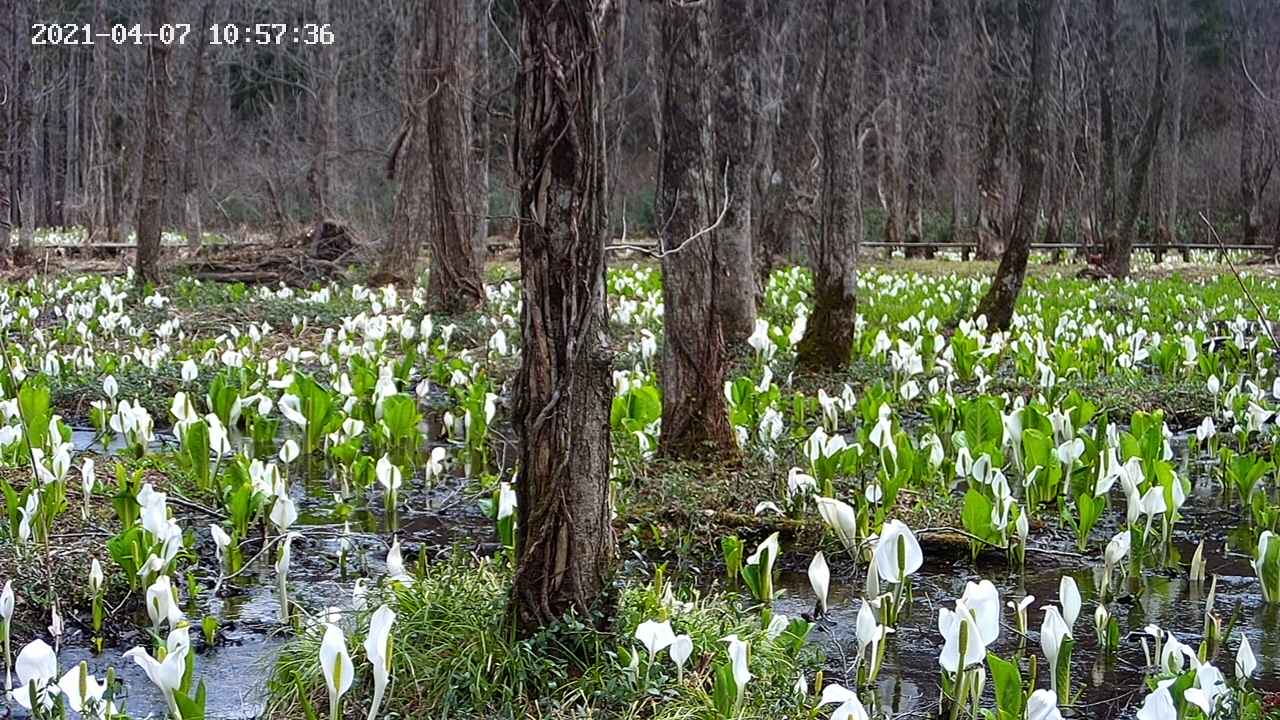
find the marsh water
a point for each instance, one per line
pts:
(235, 670)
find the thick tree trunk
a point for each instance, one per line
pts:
(437, 128)
(789, 201)
(407, 165)
(156, 122)
(481, 89)
(1250, 142)
(1120, 243)
(992, 200)
(1107, 119)
(26, 148)
(192, 166)
(324, 125)
(734, 120)
(694, 419)
(565, 542)
(999, 302)
(828, 338)
(454, 284)
(1172, 207)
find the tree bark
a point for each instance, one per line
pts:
(1107, 121)
(1172, 208)
(566, 547)
(26, 147)
(156, 121)
(1250, 141)
(454, 284)
(998, 304)
(324, 125)
(695, 423)
(481, 94)
(789, 201)
(192, 166)
(437, 125)
(1120, 243)
(828, 338)
(734, 120)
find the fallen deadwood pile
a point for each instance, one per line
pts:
(321, 254)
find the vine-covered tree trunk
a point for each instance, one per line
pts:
(734, 119)
(156, 122)
(828, 338)
(566, 548)
(1120, 242)
(788, 201)
(998, 304)
(695, 422)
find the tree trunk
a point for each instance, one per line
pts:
(734, 119)
(992, 201)
(788, 203)
(1107, 119)
(828, 338)
(1250, 144)
(192, 167)
(566, 546)
(454, 284)
(1172, 208)
(26, 147)
(437, 126)
(999, 302)
(694, 419)
(324, 125)
(481, 93)
(407, 165)
(156, 122)
(1120, 243)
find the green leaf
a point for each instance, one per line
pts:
(1008, 684)
(725, 693)
(976, 516)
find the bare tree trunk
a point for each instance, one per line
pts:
(565, 543)
(1172, 208)
(828, 338)
(10, 161)
(999, 302)
(454, 284)
(192, 166)
(652, 67)
(694, 419)
(989, 221)
(789, 201)
(481, 90)
(324, 126)
(617, 74)
(1106, 109)
(156, 121)
(1120, 243)
(1251, 133)
(27, 148)
(408, 165)
(734, 120)
(437, 125)
(99, 161)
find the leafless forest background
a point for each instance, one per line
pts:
(1156, 111)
